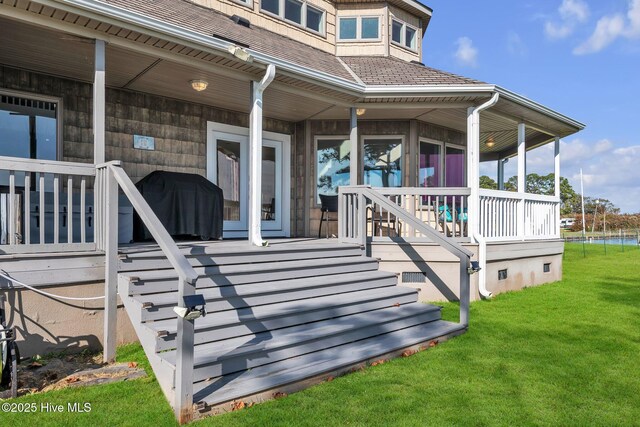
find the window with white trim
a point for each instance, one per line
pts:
(358, 28)
(297, 12)
(404, 35)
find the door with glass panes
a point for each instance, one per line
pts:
(227, 167)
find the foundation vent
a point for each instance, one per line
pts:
(414, 277)
(546, 267)
(502, 274)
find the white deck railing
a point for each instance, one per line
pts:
(443, 209)
(507, 216)
(45, 206)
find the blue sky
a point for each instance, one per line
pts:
(579, 57)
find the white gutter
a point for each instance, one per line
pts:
(473, 138)
(255, 157)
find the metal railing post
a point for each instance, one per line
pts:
(111, 265)
(465, 291)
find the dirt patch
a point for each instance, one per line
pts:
(55, 372)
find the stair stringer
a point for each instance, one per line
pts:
(163, 371)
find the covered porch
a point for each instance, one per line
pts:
(424, 149)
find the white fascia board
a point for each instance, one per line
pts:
(123, 16)
(526, 102)
(419, 6)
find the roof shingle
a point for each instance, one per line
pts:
(378, 70)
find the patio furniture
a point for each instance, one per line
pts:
(328, 204)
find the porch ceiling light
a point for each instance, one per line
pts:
(490, 141)
(199, 85)
(360, 111)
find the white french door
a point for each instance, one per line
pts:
(227, 167)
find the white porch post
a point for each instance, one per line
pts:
(354, 163)
(557, 183)
(473, 146)
(255, 157)
(501, 163)
(99, 155)
(522, 178)
(108, 204)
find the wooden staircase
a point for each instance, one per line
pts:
(278, 318)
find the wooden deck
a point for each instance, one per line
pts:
(279, 318)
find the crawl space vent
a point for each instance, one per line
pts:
(414, 277)
(502, 274)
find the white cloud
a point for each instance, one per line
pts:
(609, 171)
(574, 9)
(572, 13)
(466, 54)
(515, 45)
(609, 28)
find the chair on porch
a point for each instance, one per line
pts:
(328, 205)
(458, 220)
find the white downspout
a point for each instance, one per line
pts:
(255, 157)
(475, 193)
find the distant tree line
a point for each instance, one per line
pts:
(571, 203)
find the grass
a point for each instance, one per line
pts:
(559, 354)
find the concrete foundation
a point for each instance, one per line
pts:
(46, 325)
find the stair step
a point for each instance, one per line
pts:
(157, 281)
(229, 324)
(160, 306)
(266, 377)
(237, 354)
(235, 253)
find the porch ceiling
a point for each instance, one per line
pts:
(65, 55)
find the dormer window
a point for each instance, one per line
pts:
(359, 28)
(297, 12)
(404, 35)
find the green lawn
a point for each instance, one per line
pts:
(561, 354)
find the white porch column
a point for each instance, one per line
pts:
(255, 157)
(501, 163)
(557, 182)
(522, 178)
(99, 149)
(354, 163)
(473, 146)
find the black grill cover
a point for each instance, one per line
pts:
(186, 204)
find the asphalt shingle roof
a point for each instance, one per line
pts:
(378, 70)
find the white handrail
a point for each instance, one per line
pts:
(500, 194)
(46, 166)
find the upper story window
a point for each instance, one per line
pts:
(359, 28)
(404, 35)
(297, 12)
